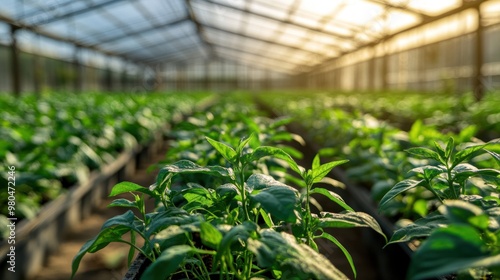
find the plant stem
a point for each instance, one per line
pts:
(241, 186)
(308, 213)
(152, 258)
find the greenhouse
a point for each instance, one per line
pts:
(250, 139)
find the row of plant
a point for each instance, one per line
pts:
(224, 209)
(55, 141)
(450, 187)
(445, 112)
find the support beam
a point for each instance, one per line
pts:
(479, 55)
(258, 39)
(15, 66)
(287, 21)
(403, 8)
(261, 55)
(77, 68)
(143, 31)
(199, 29)
(78, 12)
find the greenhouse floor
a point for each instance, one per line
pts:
(111, 262)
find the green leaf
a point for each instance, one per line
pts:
(420, 228)
(261, 181)
(295, 261)
(125, 187)
(496, 156)
(466, 153)
(440, 150)
(171, 236)
(425, 153)
(210, 236)
(265, 151)
(324, 169)
(266, 217)
(344, 250)
(122, 202)
(244, 142)
(349, 219)
(237, 233)
(461, 212)
(186, 167)
(316, 163)
(450, 250)
(104, 237)
(226, 151)
(278, 201)
(126, 219)
(400, 187)
(230, 190)
(162, 220)
(167, 263)
(333, 197)
(429, 171)
(450, 145)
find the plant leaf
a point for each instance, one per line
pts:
(186, 166)
(466, 153)
(344, 250)
(226, 151)
(123, 202)
(420, 228)
(210, 236)
(400, 187)
(349, 219)
(264, 151)
(105, 236)
(425, 153)
(167, 263)
(324, 169)
(333, 197)
(449, 250)
(278, 201)
(124, 187)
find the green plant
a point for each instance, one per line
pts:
(462, 236)
(235, 227)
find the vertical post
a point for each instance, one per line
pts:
(479, 55)
(385, 69)
(15, 67)
(77, 69)
(371, 71)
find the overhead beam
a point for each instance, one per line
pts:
(465, 6)
(78, 12)
(52, 36)
(258, 39)
(278, 60)
(255, 63)
(401, 7)
(143, 31)
(155, 44)
(199, 28)
(165, 57)
(287, 21)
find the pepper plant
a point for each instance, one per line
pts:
(462, 236)
(237, 228)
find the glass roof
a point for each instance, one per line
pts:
(286, 35)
